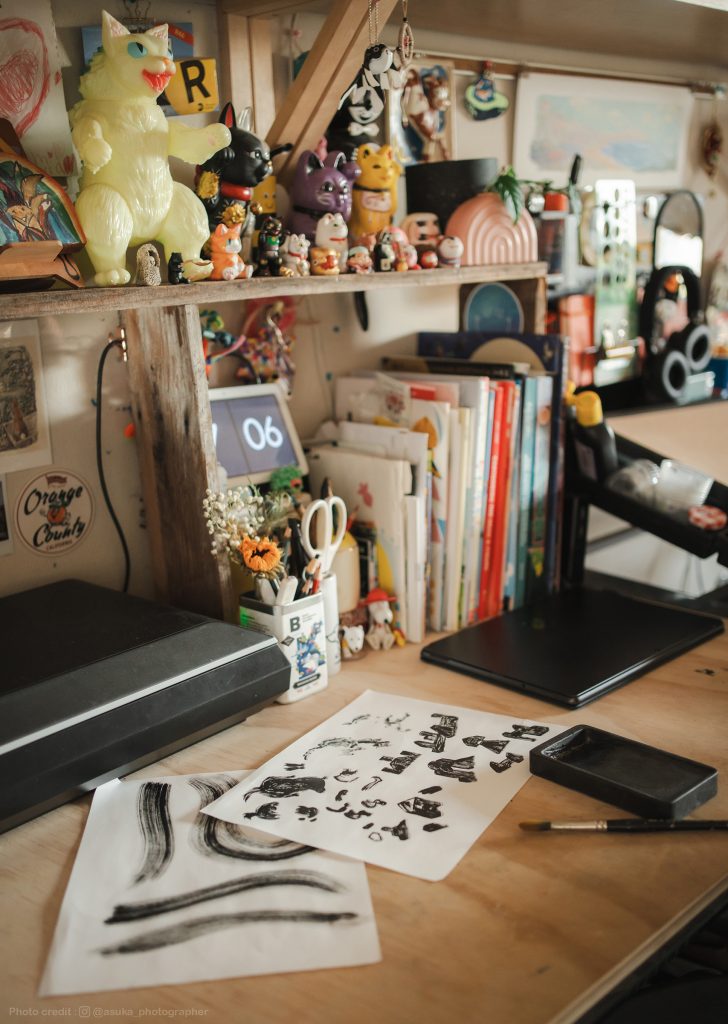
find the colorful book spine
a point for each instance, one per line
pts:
(495, 586)
(536, 586)
(525, 489)
(511, 549)
(488, 523)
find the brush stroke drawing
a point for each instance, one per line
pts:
(150, 908)
(201, 926)
(155, 826)
(229, 903)
(212, 836)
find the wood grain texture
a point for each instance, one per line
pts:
(176, 456)
(98, 300)
(688, 39)
(236, 83)
(529, 928)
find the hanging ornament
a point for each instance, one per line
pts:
(712, 148)
(712, 143)
(482, 100)
(406, 42)
(360, 114)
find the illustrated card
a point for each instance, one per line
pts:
(402, 783)
(161, 894)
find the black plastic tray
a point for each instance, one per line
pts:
(650, 782)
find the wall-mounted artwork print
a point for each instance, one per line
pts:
(31, 89)
(24, 432)
(419, 116)
(6, 541)
(620, 129)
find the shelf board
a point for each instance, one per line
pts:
(22, 305)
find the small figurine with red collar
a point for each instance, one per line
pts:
(380, 635)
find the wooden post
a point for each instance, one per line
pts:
(235, 81)
(176, 456)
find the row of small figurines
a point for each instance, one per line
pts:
(282, 253)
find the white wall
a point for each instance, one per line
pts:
(329, 339)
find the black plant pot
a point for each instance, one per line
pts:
(441, 187)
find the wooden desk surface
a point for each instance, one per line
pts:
(529, 928)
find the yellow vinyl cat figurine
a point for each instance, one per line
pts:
(127, 193)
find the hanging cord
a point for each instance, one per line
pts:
(119, 342)
(373, 21)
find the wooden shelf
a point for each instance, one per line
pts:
(177, 461)
(22, 305)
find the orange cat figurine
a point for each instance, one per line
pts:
(224, 247)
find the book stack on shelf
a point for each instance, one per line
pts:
(452, 468)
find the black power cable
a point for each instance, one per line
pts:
(113, 343)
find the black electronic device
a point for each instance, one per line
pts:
(574, 646)
(254, 433)
(96, 684)
(650, 782)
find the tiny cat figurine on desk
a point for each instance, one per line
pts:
(127, 194)
(294, 253)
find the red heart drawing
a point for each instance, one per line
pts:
(24, 76)
(17, 77)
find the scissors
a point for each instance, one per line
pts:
(317, 529)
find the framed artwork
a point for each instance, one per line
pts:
(6, 541)
(419, 116)
(620, 129)
(24, 433)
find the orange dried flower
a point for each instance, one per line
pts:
(260, 554)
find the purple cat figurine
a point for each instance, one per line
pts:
(320, 188)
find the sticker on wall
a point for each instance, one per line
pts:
(54, 512)
(6, 541)
(24, 435)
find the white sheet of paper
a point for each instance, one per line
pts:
(369, 782)
(282, 912)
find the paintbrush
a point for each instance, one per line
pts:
(626, 825)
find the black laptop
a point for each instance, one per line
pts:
(574, 646)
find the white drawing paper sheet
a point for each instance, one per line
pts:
(194, 899)
(402, 783)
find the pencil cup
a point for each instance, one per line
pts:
(299, 629)
(331, 623)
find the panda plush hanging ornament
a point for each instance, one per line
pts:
(359, 118)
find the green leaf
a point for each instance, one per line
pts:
(508, 188)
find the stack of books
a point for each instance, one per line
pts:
(453, 470)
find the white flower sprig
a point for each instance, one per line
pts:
(231, 516)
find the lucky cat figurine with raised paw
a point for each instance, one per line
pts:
(331, 233)
(375, 192)
(319, 188)
(294, 253)
(127, 193)
(229, 177)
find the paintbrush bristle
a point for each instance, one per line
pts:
(535, 826)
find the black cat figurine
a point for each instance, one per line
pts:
(228, 178)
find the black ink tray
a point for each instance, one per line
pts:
(650, 782)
